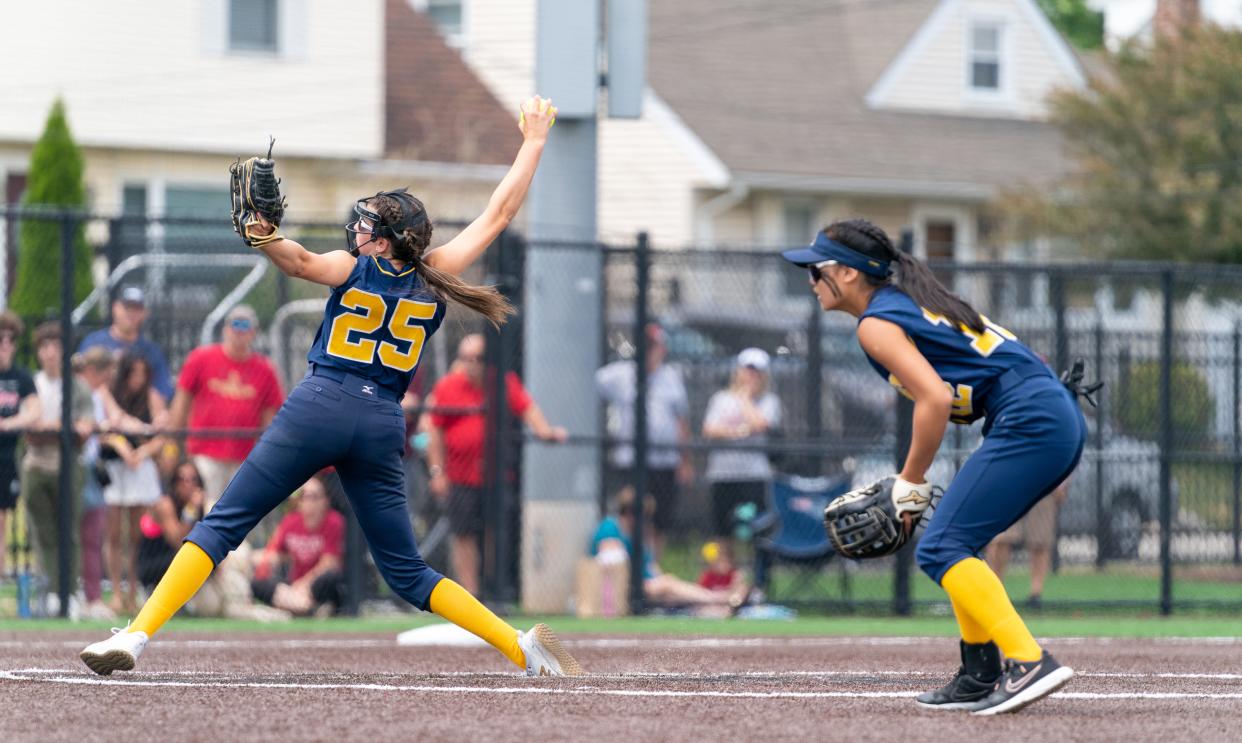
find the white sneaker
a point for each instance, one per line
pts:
(117, 653)
(545, 656)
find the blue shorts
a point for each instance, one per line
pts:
(347, 422)
(1031, 444)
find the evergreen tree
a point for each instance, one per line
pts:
(54, 181)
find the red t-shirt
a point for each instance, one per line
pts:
(464, 434)
(227, 394)
(305, 546)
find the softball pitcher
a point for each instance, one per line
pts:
(957, 366)
(388, 296)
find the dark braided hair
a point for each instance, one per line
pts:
(911, 275)
(411, 245)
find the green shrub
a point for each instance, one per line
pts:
(1136, 407)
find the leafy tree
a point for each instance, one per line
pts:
(1080, 24)
(55, 181)
(1156, 142)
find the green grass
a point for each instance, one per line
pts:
(1044, 626)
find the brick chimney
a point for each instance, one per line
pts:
(1174, 15)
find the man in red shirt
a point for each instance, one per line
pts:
(455, 449)
(312, 541)
(225, 385)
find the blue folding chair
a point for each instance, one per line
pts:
(792, 531)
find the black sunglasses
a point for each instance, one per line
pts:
(816, 274)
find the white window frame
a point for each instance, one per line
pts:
(456, 40)
(1004, 59)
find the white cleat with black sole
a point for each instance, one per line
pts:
(545, 656)
(1024, 683)
(117, 653)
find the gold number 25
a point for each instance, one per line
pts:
(367, 317)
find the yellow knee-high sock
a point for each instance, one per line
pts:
(188, 572)
(455, 604)
(972, 632)
(976, 591)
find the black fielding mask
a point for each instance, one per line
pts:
(412, 215)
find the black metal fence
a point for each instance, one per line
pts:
(1153, 518)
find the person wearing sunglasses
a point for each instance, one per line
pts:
(389, 293)
(225, 385)
(958, 366)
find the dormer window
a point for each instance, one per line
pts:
(984, 57)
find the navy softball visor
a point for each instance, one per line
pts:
(826, 249)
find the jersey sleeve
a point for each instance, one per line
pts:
(334, 534)
(442, 396)
(717, 409)
(282, 530)
(25, 385)
(191, 372)
(273, 394)
(519, 398)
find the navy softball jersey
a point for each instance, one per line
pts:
(346, 413)
(1033, 434)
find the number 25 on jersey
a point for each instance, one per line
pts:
(353, 335)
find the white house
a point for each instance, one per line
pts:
(768, 120)
(360, 95)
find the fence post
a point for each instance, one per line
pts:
(66, 528)
(1166, 446)
(499, 423)
(642, 258)
(812, 464)
(905, 429)
(1237, 444)
(1101, 415)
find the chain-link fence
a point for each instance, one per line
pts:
(1151, 519)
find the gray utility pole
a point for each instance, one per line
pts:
(562, 312)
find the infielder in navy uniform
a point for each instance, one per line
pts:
(958, 366)
(387, 298)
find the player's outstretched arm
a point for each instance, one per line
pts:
(329, 269)
(457, 254)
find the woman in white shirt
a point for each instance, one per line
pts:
(744, 412)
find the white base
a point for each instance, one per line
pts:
(440, 635)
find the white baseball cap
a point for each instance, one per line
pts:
(755, 358)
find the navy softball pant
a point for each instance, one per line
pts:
(349, 423)
(1032, 445)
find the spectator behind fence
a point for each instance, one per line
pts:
(129, 312)
(311, 540)
(95, 368)
(611, 545)
(668, 426)
(41, 463)
(225, 385)
(168, 521)
(227, 592)
(134, 481)
(456, 445)
(1037, 532)
(744, 412)
(19, 408)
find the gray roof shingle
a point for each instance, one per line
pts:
(776, 91)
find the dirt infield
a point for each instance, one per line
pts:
(259, 687)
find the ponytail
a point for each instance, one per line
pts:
(911, 275)
(410, 247)
(915, 279)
